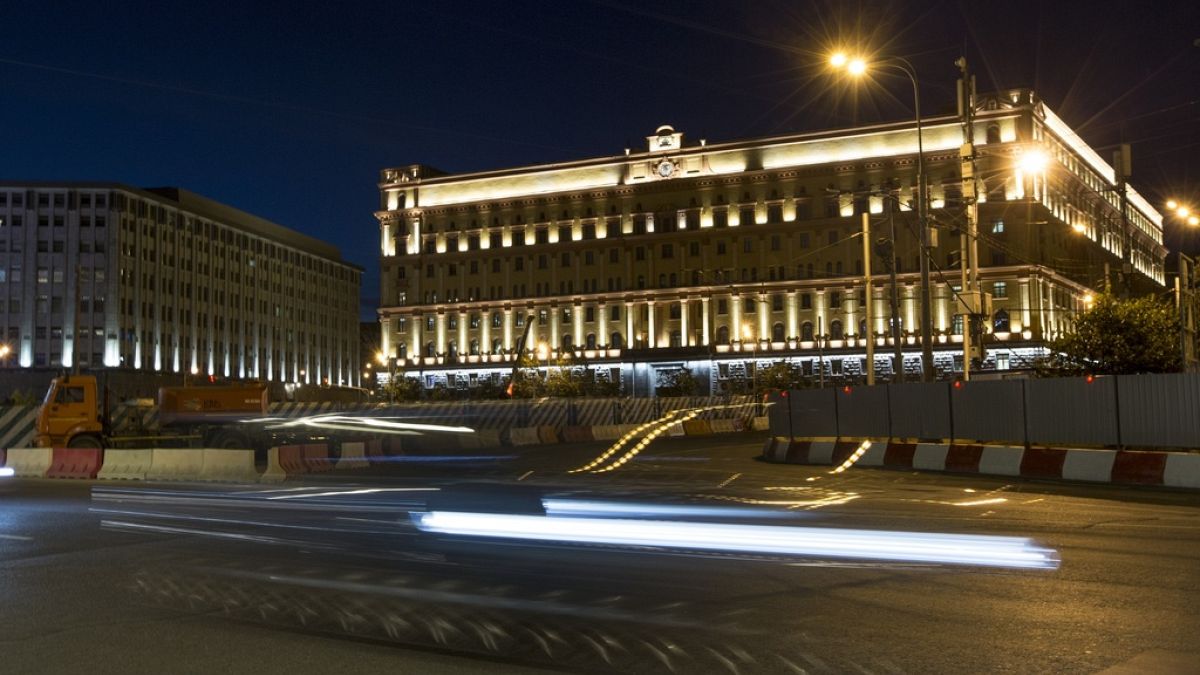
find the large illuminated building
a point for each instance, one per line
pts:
(716, 256)
(163, 280)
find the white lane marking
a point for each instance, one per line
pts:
(15, 537)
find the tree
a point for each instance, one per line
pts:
(779, 376)
(677, 382)
(402, 388)
(1118, 337)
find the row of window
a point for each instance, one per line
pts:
(59, 199)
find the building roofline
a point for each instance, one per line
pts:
(191, 202)
(837, 132)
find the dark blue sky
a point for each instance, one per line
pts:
(289, 110)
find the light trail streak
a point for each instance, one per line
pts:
(364, 491)
(7, 472)
(757, 539)
(598, 509)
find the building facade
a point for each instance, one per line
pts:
(726, 257)
(107, 275)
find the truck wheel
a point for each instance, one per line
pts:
(85, 441)
(228, 440)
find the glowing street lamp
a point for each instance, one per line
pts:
(856, 67)
(1033, 161)
(1184, 212)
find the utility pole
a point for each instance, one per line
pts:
(870, 297)
(897, 334)
(1123, 163)
(975, 305)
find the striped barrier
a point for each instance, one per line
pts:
(606, 432)
(725, 426)
(761, 423)
(547, 434)
(228, 465)
(175, 464)
(579, 434)
(1124, 467)
(75, 463)
(125, 464)
(29, 462)
(353, 456)
(524, 436)
(18, 425)
(284, 461)
(675, 429)
(697, 427)
(316, 457)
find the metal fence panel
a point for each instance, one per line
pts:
(1072, 411)
(813, 413)
(862, 412)
(1160, 410)
(989, 411)
(920, 410)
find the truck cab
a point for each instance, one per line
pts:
(70, 415)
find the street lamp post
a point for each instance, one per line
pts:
(857, 67)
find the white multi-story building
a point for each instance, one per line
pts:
(103, 274)
(715, 256)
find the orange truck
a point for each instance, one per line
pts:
(75, 415)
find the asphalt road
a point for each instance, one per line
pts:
(349, 589)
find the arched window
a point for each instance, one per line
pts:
(676, 339)
(568, 343)
(497, 345)
(641, 282)
(452, 349)
(674, 280)
(402, 350)
(474, 348)
(862, 328)
(806, 331)
(429, 351)
(723, 335)
(662, 281)
(614, 341)
(591, 341)
(835, 330)
(993, 133)
(1000, 322)
(777, 332)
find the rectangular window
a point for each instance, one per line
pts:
(668, 251)
(998, 228)
(775, 242)
(565, 260)
(722, 306)
(1000, 289)
(747, 245)
(614, 313)
(614, 255)
(806, 301)
(639, 253)
(1002, 362)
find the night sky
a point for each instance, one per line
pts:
(289, 110)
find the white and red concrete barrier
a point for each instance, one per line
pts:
(1124, 467)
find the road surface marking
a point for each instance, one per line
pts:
(15, 537)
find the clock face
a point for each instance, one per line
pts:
(666, 168)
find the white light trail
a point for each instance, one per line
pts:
(594, 508)
(7, 472)
(757, 539)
